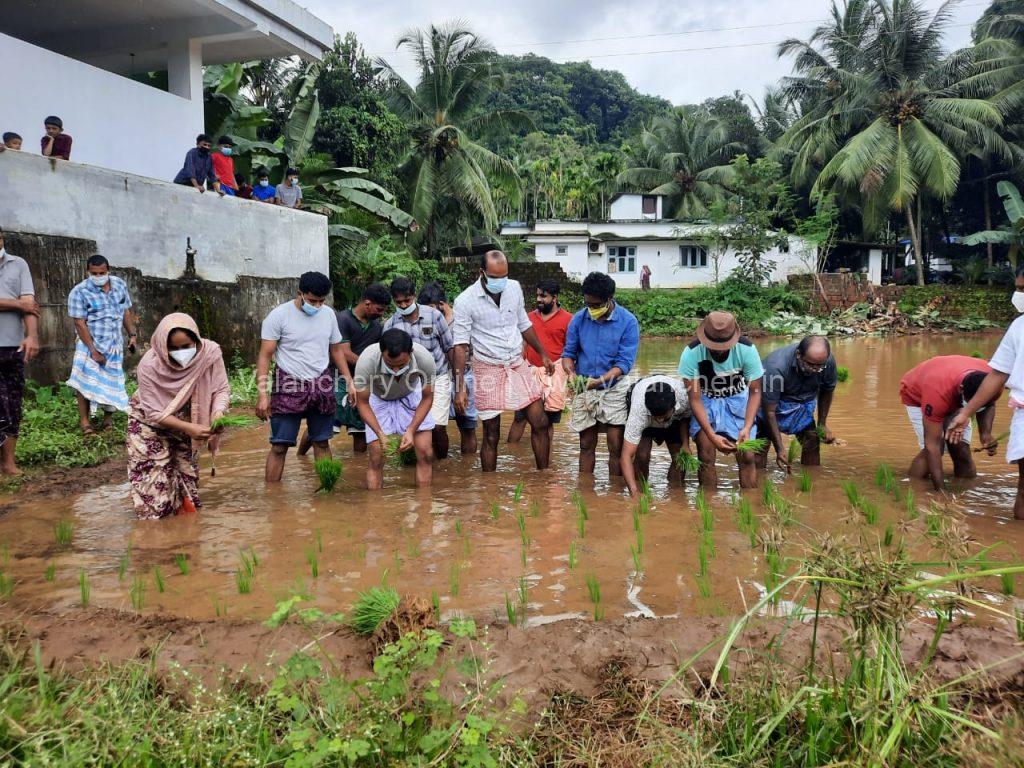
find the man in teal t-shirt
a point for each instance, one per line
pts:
(722, 371)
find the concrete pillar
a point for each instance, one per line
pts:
(185, 69)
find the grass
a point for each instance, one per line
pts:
(328, 471)
(594, 592)
(63, 532)
(84, 590)
(757, 445)
(137, 593)
(372, 608)
(158, 579)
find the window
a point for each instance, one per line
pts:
(649, 205)
(561, 250)
(693, 256)
(621, 258)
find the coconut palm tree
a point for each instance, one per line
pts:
(684, 155)
(445, 169)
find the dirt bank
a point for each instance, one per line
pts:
(57, 482)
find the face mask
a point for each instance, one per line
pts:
(597, 314)
(204, 151)
(99, 280)
(400, 372)
(225, 150)
(309, 309)
(1018, 301)
(406, 311)
(496, 284)
(264, 182)
(184, 356)
(294, 181)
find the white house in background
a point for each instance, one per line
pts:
(75, 58)
(635, 234)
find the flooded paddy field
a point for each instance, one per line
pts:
(537, 546)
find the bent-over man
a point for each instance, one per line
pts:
(659, 412)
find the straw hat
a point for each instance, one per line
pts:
(719, 331)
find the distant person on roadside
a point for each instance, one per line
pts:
(601, 345)
(198, 171)
(551, 323)
(723, 372)
(289, 193)
(19, 343)
(799, 379)
(11, 141)
(934, 392)
(303, 339)
(55, 143)
(490, 317)
(263, 191)
(428, 328)
(645, 278)
(183, 389)
(224, 166)
(1007, 366)
(394, 382)
(659, 412)
(434, 295)
(101, 308)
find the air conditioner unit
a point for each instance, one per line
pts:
(595, 247)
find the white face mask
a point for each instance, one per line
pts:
(99, 280)
(1018, 301)
(184, 356)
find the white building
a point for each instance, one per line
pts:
(636, 234)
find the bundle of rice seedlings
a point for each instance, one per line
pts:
(757, 445)
(687, 462)
(372, 608)
(842, 373)
(397, 458)
(999, 439)
(329, 472)
(232, 421)
(794, 451)
(577, 385)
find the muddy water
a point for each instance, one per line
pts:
(464, 540)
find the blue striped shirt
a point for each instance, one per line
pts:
(103, 311)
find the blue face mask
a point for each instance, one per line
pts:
(225, 150)
(309, 309)
(405, 311)
(496, 284)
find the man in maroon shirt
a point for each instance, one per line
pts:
(55, 143)
(550, 322)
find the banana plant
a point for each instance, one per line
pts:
(1011, 235)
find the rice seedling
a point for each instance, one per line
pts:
(233, 421)
(84, 590)
(885, 479)
(576, 385)
(889, 533)
(645, 488)
(869, 510)
(181, 560)
(574, 557)
(495, 511)
(524, 592)
(774, 501)
(248, 561)
(643, 505)
(313, 561)
(998, 439)
(707, 520)
(933, 524)
(702, 560)
(756, 445)
(517, 494)
(6, 585)
(524, 537)
(911, 505)
(435, 603)
(581, 523)
(318, 539)
(524, 557)
(794, 451)
(372, 608)
(635, 554)
(51, 572)
(687, 462)
(821, 433)
(243, 581)
(220, 606)
(804, 481)
(594, 591)
(510, 611)
(639, 540)
(580, 504)
(398, 458)
(328, 471)
(454, 579)
(842, 373)
(137, 592)
(1006, 583)
(63, 532)
(458, 527)
(852, 492)
(158, 579)
(123, 562)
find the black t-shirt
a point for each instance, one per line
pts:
(358, 335)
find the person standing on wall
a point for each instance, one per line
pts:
(224, 166)
(55, 143)
(490, 316)
(19, 343)
(302, 339)
(198, 171)
(289, 193)
(101, 307)
(551, 323)
(601, 345)
(428, 328)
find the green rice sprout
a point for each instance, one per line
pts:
(702, 560)
(581, 523)
(804, 481)
(84, 590)
(885, 479)
(643, 505)
(889, 534)
(574, 556)
(63, 532)
(318, 538)
(911, 505)
(495, 510)
(51, 572)
(870, 511)
(842, 373)
(524, 537)
(6, 585)
(233, 421)
(313, 560)
(524, 591)
(687, 462)
(757, 445)
(594, 591)
(852, 492)
(933, 524)
(517, 494)
(775, 501)
(821, 432)
(707, 520)
(123, 562)
(1006, 582)
(704, 586)
(636, 519)
(794, 451)
(639, 541)
(220, 605)
(581, 506)
(328, 471)
(510, 612)
(577, 385)
(243, 581)
(181, 560)
(458, 527)
(645, 488)
(454, 579)
(248, 562)
(635, 554)
(158, 579)
(137, 593)
(397, 458)
(435, 603)
(372, 608)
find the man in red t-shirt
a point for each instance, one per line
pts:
(224, 166)
(551, 323)
(933, 392)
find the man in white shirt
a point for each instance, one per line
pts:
(491, 315)
(659, 412)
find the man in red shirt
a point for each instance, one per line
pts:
(551, 323)
(224, 166)
(933, 392)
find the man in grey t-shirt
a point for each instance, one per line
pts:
(19, 343)
(394, 386)
(288, 193)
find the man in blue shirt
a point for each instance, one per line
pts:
(197, 171)
(600, 345)
(263, 191)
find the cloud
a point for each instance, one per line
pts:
(632, 37)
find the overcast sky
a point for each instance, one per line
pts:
(619, 34)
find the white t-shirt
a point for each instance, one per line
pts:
(303, 341)
(1009, 358)
(640, 418)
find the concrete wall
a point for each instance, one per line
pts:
(115, 122)
(630, 207)
(143, 223)
(228, 313)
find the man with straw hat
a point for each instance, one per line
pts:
(723, 372)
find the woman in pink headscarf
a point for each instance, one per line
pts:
(183, 388)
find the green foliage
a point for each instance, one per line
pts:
(50, 433)
(379, 260)
(372, 608)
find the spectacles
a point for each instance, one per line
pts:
(811, 367)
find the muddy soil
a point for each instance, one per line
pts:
(59, 482)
